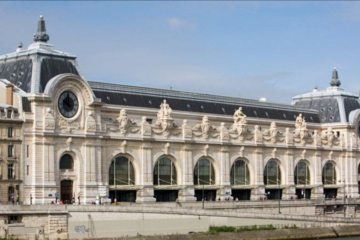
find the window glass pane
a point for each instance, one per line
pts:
(204, 173)
(329, 174)
(239, 174)
(272, 174)
(165, 172)
(124, 174)
(66, 162)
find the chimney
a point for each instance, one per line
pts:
(9, 94)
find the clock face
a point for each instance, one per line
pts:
(68, 104)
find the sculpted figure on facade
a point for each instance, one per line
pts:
(205, 129)
(239, 129)
(164, 123)
(328, 137)
(125, 124)
(273, 134)
(301, 132)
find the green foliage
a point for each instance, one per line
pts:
(215, 229)
(290, 227)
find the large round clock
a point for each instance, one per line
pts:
(68, 104)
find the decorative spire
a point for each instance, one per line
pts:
(41, 35)
(335, 82)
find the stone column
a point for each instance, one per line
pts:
(318, 190)
(146, 193)
(224, 171)
(351, 174)
(289, 190)
(187, 193)
(259, 190)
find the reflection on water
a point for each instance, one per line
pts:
(341, 238)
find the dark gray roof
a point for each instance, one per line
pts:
(195, 102)
(328, 107)
(19, 71)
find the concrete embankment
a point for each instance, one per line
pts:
(308, 233)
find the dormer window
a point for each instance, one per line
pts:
(9, 112)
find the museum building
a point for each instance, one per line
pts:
(81, 139)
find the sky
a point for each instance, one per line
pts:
(241, 49)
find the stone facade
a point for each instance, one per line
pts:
(73, 132)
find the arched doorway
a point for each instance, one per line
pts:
(302, 180)
(272, 180)
(66, 188)
(239, 178)
(204, 177)
(121, 178)
(165, 176)
(329, 180)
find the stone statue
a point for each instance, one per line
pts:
(165, 111)
(239, 116)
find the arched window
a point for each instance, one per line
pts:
(122, 171)
(329, 174)
(272, 173)
(204, 173)
(66, 162)
(165, 172)
(302, 174)
(239, 174)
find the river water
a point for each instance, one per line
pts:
(341, 238)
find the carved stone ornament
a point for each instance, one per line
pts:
(224, 132)
(90, 124)
(273, 134)
(273, 153)
(68, 126)
(123, 147)
(258, 137)
(167, 148)
(186, 130)
(145, 127)
(205, 129)
(354, 140)
(241, 151)
(239, 129)
(289, 138)
(206, 150)
(69, 143)
(126, 124)
(301, 132)
(49, 120)
(164, 124)
(329, 138)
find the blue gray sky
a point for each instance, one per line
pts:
(241, 49)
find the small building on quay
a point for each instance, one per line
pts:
(79, 139)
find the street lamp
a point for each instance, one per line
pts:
(203, 194)
(115, 200)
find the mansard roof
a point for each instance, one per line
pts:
(31, 69)
(132, 96)
(333, 104)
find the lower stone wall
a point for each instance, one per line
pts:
(92, 221)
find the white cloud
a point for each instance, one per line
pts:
(177, 23)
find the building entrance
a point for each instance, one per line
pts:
(273, 193)
(66, 188)
(209, 195)
(166, 195)
(122, 196)
(303, 193)
(243, 194)
(330, 192)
